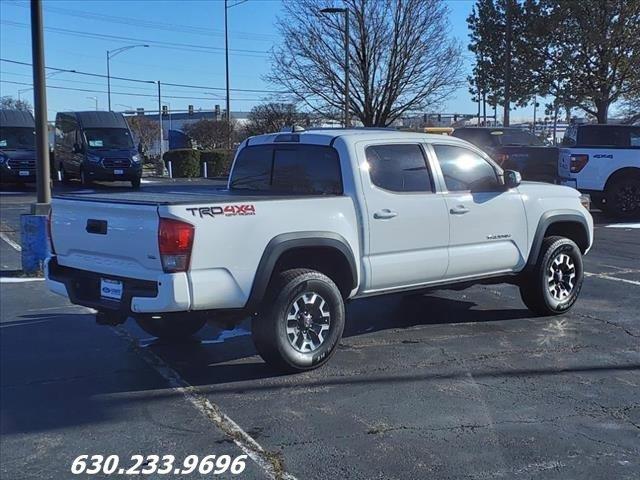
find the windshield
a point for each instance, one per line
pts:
(98, 138)
(515, 137)
(17, 137)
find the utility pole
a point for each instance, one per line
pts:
(226, 61)
(508, 64)
(108, 84)
(33, 227)
(345, 11)
(40, 109)
(347, 118)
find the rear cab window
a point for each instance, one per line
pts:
(294, 169)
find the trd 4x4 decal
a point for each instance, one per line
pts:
(227, 210)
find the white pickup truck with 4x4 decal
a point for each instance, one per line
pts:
(309, 221)
(604, 161)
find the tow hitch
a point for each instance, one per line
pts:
(110, 318)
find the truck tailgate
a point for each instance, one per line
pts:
(113, 238)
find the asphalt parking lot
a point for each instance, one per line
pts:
(448, 385)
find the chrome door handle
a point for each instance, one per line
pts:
(459, 210)
(384, 214)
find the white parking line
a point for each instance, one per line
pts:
(11, 243)
(20, 279)
(608, 277)
(623, 225)
(267, 462)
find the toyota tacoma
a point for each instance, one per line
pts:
(310, 220)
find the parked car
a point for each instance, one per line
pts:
(96, 146)
(604, 161)
(17, 147)
(515, 149)
(309, 221)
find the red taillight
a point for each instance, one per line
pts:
(175, 239)
(53, 250)
(501, 158)
(578, 162)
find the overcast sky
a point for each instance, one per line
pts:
(186, 41)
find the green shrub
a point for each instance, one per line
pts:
(218, 162)
(185, 163)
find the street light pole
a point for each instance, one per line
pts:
(95, 99)
(226, 61)
(110, 55)
(347, 103)
(160, 118)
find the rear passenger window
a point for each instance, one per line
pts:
(399, 168)
(288, 169)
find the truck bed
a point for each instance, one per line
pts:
(146, 197)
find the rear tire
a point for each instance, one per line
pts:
(302, 322)
(171, 328)
(623, 197)
(553, 285)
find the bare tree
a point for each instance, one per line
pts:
(211, 134)
(11, 103)
(144, 130)
(272, 117)
(401, 57)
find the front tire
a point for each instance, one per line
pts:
(135, 183)
(171, 328)
(553, 285)
(302, 322)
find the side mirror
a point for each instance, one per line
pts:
(512, 178)
(77, 148)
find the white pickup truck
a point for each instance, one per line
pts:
(604, 162)
(311, 219)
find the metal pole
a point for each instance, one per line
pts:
(226, 59)
(347, 120)
(108, 83)
(535, 104)
(40, 108)
(160, 117)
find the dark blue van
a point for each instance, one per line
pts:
(96, 146)
(17, 147)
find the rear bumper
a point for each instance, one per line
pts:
(169, 293)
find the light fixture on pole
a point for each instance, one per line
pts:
(345, 11)
(48, 75)
(110, 55)
(95, 99)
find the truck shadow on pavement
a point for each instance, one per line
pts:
(203, 362)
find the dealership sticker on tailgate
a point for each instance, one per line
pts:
(111, 289)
